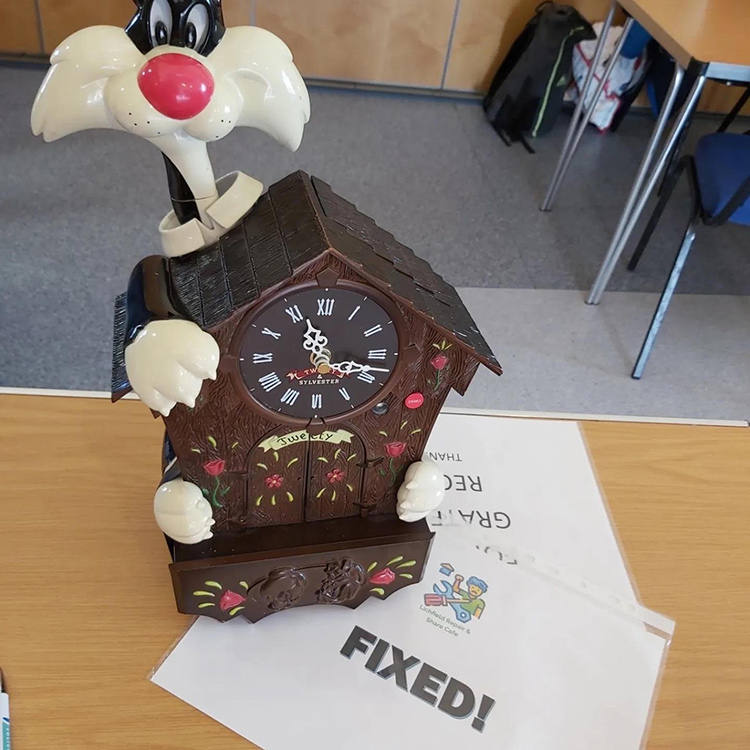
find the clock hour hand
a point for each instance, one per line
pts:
(348, 367)
(314, 341)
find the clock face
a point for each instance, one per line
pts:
(319, 353)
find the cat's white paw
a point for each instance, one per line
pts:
(422, 491)
(182, 512)
(168, 361)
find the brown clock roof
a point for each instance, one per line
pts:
(299, 219)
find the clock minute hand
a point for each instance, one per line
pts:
(348, 367)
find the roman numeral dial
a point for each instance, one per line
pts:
(312, 353)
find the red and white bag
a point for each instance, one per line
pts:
(624, 71)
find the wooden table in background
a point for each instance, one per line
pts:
(87, 607)
(714, 32)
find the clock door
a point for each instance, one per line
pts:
(334, 479)
(276, 474)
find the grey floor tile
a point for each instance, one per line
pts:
(561, 249)
(561, 355)
(564, 249)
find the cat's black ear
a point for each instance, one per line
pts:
(137, 29)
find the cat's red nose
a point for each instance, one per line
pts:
(176, 85)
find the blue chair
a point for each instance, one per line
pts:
(719, 178)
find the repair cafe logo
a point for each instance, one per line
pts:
(465, 600)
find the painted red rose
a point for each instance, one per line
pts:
(274, 481)
(336, 475)
(395, 449)
(230, 599)
(383, 577)
(439, 361)
(215, 467)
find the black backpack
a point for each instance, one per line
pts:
(527, 91)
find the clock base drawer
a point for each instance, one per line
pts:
(343, 561)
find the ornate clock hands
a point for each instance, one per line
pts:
(315, 341)
(348, 367)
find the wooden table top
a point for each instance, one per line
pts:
(87, 608)
(710, 31)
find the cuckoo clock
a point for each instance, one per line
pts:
(297, 353)
(338, 346)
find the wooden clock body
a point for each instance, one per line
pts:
(302, 464)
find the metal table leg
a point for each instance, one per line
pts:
(639, 193)
(584, 121)
(562, 164)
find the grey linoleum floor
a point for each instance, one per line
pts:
(77, 214)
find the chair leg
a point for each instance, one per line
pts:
(729, 119)
(673, 161)
(656, 215)
(666, 298)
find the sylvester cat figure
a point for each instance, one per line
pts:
(298, 354)
(177, 78)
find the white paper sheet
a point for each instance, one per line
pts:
(529, 483)
(561, 670)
